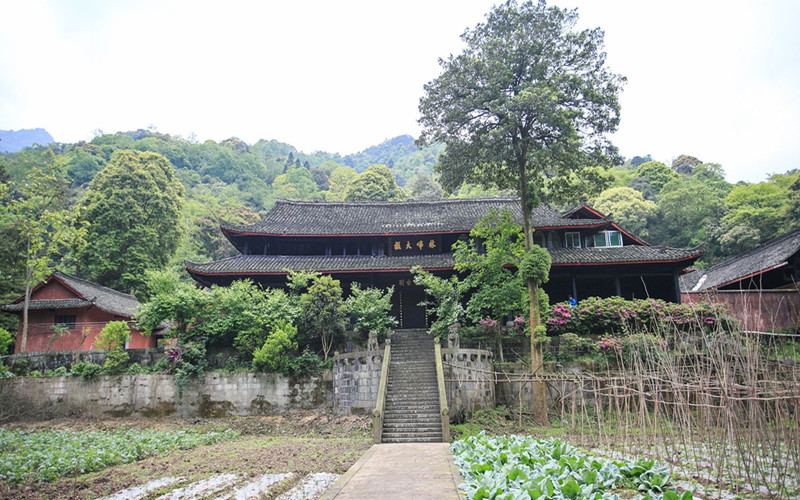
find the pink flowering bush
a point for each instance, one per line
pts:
(617, 316)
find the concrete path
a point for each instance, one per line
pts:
(408, 470)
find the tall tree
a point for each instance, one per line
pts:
(490, 261)
(377, 183)
(133, 210)
(44, 224)
(655, 175)
(628, 207)
(529, 98)
(425, 188)
(339, 181)
(684, 164)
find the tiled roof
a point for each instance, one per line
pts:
(631, 254)
(757, 260)
(276, 264)
(104, 298)
(352, 263)
(690, 279)
(49, 304)
(341, 218)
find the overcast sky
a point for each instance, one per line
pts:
(719, 80)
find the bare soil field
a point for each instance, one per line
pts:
(299, 443)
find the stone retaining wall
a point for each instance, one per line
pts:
(469, 380)
(219, 394)
(50, 360)
(356, 377)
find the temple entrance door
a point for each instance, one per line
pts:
(412, 314)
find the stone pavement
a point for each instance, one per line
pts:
(407, 470)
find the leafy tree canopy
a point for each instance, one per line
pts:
(425, 188)
(656, 174)
(628, 207)
(529, 98)
(377, 183)
(340, 180)
(133, 212)
(490, 260)
(685, 164)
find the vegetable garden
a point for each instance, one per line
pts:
(717, 406)
(46, 455)
(521, 467)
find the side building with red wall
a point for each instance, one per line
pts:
(761, 288)
(66, 313)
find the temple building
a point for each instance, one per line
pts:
(376, 244)
(66, 313)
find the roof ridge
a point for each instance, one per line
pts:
(95, 285)
(391, 203)
(754, 250)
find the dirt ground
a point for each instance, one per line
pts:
(300, 442)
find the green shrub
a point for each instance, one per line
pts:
(135, 368)
(86, 369)
(369, 308)
(60, 371)
(308, 363)
(273, 356)
(113, 338)
(6, 341)
(190, 363)
(116, 361)
(113, 335)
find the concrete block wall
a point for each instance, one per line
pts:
(218, 394)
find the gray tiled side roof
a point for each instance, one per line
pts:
(626, 254)
(690, 279)
(339, 218)
(277, 263)
(247, 264)
(105, 298)
(759, 259)
(49, 304)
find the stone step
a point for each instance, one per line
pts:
(414, 379)
(417, 392)
(407, 410)
(421, 395)
(412, 403)
(411, 419)
(402, 417)
(414, 435)
(411, 428)
(394, 440)
(411, 412)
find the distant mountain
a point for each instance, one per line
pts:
(12, 141)
(401, 155)
(385, 153)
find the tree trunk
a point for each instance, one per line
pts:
(538, 396)
(23, 342)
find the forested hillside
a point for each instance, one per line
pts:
(683, 204)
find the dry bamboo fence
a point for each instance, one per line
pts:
(722, 408)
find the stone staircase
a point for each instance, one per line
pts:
(411, 412)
